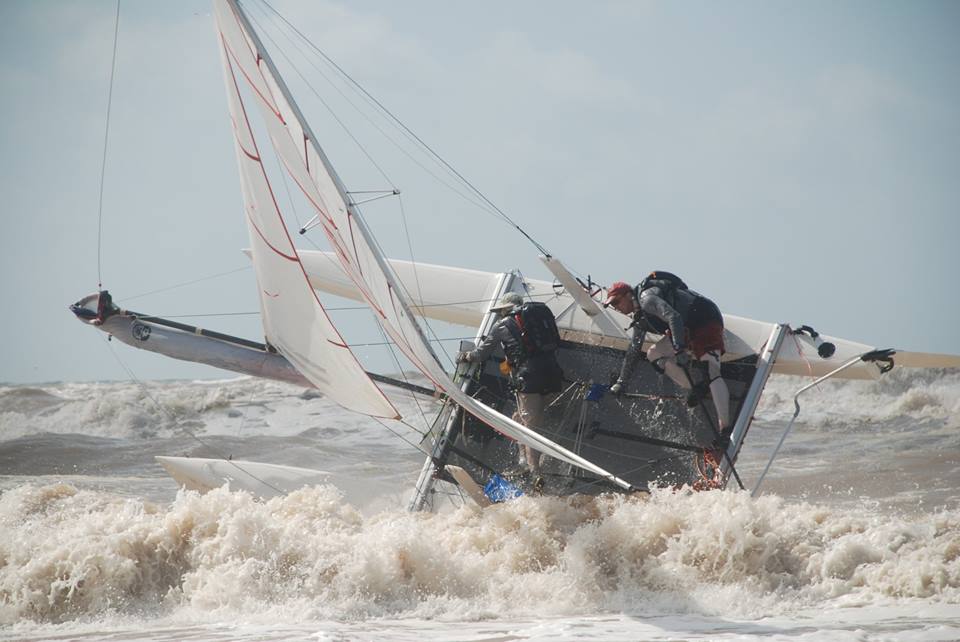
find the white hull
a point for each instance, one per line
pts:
(463, 296)
(262, 480)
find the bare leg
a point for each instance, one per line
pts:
(718, 389)
(531, 406)
(662, 350)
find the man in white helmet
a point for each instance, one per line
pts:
(528, 334)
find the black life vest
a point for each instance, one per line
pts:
(668, 283)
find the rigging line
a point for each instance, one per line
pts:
(106, 138)
(416, 274)
(324, 102)
(178, 424)
(399, 436)
(185, 283)
(373, 124)
(243, 416)
(286, 186)
(211, 314)
(429, 149)
(403, 374)
(390, 342)
(406, 292)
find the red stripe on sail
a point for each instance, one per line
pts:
(294, 256)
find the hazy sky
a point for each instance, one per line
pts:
(794, 161)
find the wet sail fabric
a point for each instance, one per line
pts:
(346, 231)
(294, 321)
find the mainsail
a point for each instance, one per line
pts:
(293, 320)
(357, 253)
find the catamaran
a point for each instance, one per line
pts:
(594, 443)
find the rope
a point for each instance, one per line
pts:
(409, 132)
(186, 283)
(106, 139)
(178, 425)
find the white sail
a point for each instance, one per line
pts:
(293, 320)
(346, 231)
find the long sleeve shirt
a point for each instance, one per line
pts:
(654, 311)
(499, 336)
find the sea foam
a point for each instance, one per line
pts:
(71, 554)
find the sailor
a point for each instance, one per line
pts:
(529, 338)
(691, 325)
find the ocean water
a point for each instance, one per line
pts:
(856, 535)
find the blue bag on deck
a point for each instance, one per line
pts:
(499, 489)
(596, 392)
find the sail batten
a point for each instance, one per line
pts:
(294, 321)
(356, 251)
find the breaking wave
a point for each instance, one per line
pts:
(128, 410)
(69, 554)
(913, 394)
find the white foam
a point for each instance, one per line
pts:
(72, 554)
(903, 393)
(129, 410)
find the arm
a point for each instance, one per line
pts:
(634, 351)
(655, 306)
(490, 342)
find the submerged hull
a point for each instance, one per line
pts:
(263, 480)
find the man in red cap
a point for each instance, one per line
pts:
(691, 325)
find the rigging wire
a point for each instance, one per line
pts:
(372, 123)
(408, 131)
(283, 176)
(345, 308)
(178, 425)
(186, 283)
(390, 344)
(356, 141)
(106, 139)
(401, 437)
(333, 114)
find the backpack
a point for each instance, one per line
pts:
(668, 283)
(538, 328)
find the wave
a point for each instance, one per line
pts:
(131, 410)
(914, 394)
(70, 554)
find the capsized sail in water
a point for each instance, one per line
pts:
(594, 443)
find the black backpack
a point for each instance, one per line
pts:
(668, 283)
(538, 328)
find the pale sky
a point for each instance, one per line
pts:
(793, 161)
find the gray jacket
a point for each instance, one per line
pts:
(499, 335)
(655, 314)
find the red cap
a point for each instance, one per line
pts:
(616, 291)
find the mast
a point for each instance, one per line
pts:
(352, 209)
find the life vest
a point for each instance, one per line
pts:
(668, 283)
